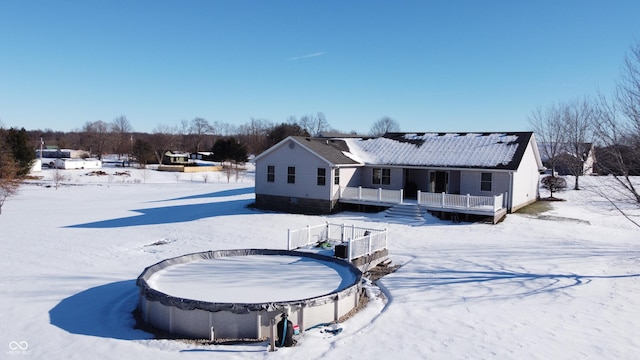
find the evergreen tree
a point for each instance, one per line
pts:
(143, 152)
(23, 154)
(229, 150)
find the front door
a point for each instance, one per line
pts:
(410, 187)
(439, 181)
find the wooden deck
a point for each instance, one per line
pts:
(451, 203)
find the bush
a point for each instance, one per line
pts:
(554, 183)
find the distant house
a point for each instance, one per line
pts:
(470, 173)
(53, 152)
(567, 161)
(202, 155)
(175, 158)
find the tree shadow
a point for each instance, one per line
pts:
(102, 311)
(497, 284)
(174, 214)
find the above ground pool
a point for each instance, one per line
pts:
(234, 294)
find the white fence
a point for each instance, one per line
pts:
(367, 244)
(368, 194)
(490, 204)
(453, 201)
(360, 241)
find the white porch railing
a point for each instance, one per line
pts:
(453, 201)
(431, 200)
(361, 241)
(368, 194)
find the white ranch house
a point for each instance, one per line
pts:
(476, 174)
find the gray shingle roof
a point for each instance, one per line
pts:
(444, 150)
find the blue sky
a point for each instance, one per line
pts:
(431, 66)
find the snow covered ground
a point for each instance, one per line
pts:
(563, 285)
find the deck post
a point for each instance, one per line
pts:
(468, 200)
(359, 192)
(495, 203)
(272, 333)
(288, 239)
(442, 201)
(401, 195)
(418, 197)
(385, 238)
(308, 234)
(379, 194)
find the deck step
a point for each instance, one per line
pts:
(412, 211)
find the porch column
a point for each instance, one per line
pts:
(468, 200)
(418, 197)
(401, 196)
(442, 201)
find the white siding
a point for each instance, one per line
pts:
(348, 177)
(470, 182)
(306, 164)
(525, 180)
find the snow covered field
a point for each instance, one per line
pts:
(563, 285)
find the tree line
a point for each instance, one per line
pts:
(196, 135)
(228, 142)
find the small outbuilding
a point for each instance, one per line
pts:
(175, 158)
(70, 164)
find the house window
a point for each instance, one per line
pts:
(381, 176)
(322, 176)
(336, 177)
(291, 175)
(485, 182)
(271, 173)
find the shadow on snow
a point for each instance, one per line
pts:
(102, 311)
(174, 214)
(217, 194)
(497, 284)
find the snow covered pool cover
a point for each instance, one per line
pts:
(247, 279)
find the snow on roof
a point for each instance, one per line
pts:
(490, 150)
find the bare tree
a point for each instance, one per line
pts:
(255, 135)
(97, 135)
(619, 154)
(313, 124)
(163, 139)
(122, 129)
(198, 128)
(617, 125)
(384, 125)
(577, 120)
(228, 170)
(628, 91)
(58, 177)
(548, 128)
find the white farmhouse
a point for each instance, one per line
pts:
(475, 174)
